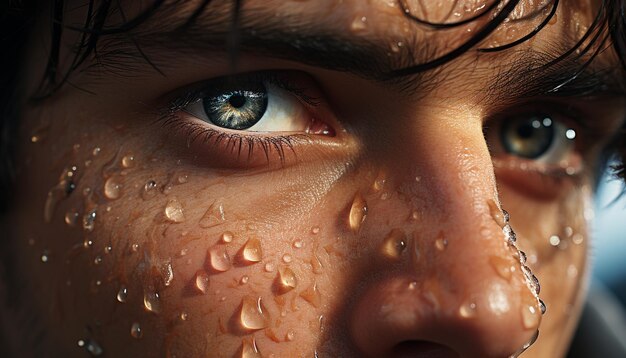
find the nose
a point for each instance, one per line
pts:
(456, 286)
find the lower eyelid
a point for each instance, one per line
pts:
(538, 180)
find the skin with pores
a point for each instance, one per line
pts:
(383, 239)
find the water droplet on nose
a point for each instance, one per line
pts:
(71, 217)
(218, 259)
(502, 266)
(315, 230)
(286, 280)
(122, 294)
(298, 244)
(542, 306)
(526, 345)
(249, 349)
(358, 212)
(290, 335)
(213, 216)
(252, 315)
(184, 316)
(269, 267)
(91, 346)
(530, 317)
(149, 190)
(45, 256)
(89, 220)
(135, 330)
(531, 280)
(134, 247)
(440, 242)
(95, 151)
(467, 310)
(201, 282)
(359, 23)
(151, 301)
(128, 161)
(251, 251)
(97, 260)
(174, 211)
(496, 213)
(227, 237)
(394, 244)
(112, 188)
(287, 258)
(312, 295)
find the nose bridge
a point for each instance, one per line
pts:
(466, 288)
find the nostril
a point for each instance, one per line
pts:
(422, 349)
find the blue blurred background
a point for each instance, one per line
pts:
(608, 250)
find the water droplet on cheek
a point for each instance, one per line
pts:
(112, 188)
(174, 211)
(251, 251)
(149, 190)
(122, 294)
(135, 330)
(440, 242)
(64, 187)
(287, 258)
(312, 295)
(298, 244)
(201, 282)
(214, 216)
(227, 237)
(151, 302)
(286, 280)
(358, 213)
(394, 244)
(89, 220)
(252, 314)
(218, 259)
(71, 217)
(358, 24)
(249, 349)
(128, 161)
(91, 346)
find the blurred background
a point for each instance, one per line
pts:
(608, 245)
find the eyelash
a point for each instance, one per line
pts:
(170, 117)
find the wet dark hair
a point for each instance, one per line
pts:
(20, 18)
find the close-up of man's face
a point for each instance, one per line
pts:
(322, 178)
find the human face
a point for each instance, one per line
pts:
(362, 216)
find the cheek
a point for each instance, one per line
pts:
(556, 245)
(146, 258)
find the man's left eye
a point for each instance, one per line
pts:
(252, 105)
(538, 137)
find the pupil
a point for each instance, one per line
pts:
(525, 131)
(237, 100)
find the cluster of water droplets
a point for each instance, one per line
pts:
(531, 317)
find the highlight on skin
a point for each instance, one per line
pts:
(306, 178)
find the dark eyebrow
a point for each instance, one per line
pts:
(307, 41)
